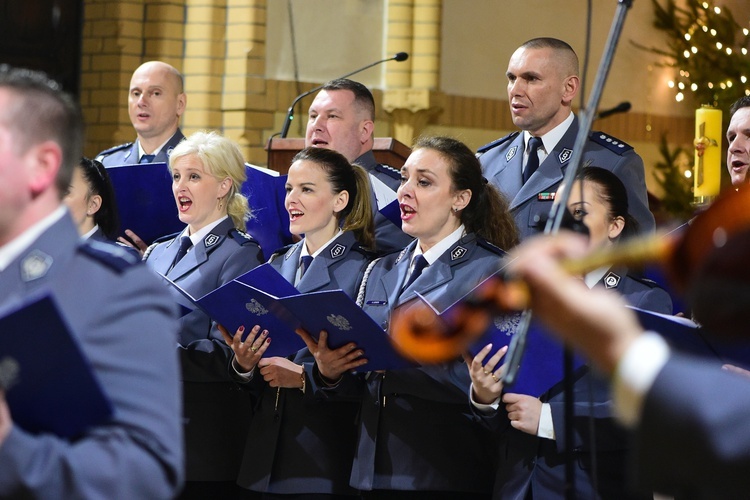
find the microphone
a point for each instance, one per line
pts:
(623, 107)
(401, 56)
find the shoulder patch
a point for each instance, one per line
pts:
(497, 142)
(242, 237)
(491, 247)
(111, 256)
(612, 143)
(114, 149)
(389, 171)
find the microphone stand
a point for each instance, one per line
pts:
(559, 206)
(401, 56)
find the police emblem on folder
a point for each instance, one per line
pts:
(339, 322)
(256, 308)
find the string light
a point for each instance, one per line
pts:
(692, 38)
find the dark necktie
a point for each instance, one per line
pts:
(419, 264)
(305, 264)
(147, 159)
(185, 244)
(533, 162)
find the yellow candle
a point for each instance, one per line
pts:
(707, 173)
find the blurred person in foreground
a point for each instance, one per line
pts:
(692, 434)
(119, 314)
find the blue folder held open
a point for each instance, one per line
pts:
(392, 212)
(146, 204)
(541, 366)
(265, 189)
(344, 321)
(49, 384)
(263, 297)
(239, 303)
(686, 336)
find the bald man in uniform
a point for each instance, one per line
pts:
(542, 85)
(156, 101)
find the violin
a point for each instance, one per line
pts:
(704, 263)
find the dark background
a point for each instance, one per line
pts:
(43, 35)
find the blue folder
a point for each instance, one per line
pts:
(392, 212)
(541, 366)
(686, 336)
(265, 190)
(50, 386)
(263, 297)
(146, 204)
(237, 303)
(344, 321)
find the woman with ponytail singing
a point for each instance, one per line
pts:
(207, 173)
(298, 444)
(417, 435)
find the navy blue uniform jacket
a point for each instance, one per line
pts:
(502, 162)
(125, 324)
(693, 440)
(127, 154)
(416, 428)
(216, 413)
(298, 443)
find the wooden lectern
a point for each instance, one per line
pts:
(387, 150)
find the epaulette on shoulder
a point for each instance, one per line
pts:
(497, 142)
(612, 143)
(115, 258)
(114, 149)
(242, 237)
(167, 237)
(281, 251)
(490, 246)
(160, 239)
(367, 252)
(644, 281)
(389, 171)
